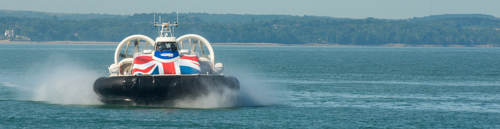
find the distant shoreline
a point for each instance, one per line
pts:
(339, 45)
(243, 44)
(58, 42)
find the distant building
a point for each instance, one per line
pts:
(9, 33)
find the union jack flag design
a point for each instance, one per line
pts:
(189, 64)
(147, 65)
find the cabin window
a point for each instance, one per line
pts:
(170, 46)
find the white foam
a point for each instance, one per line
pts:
(252, 92)
(255, 91)
(60, 81)
(8, 84)
(216, 98)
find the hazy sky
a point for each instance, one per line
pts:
(386, 9)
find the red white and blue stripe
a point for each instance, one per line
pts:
(187, 64)
(147, 65)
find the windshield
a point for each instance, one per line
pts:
(161, 46)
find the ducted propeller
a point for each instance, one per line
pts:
(136, 49)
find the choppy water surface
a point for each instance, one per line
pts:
(47, 86)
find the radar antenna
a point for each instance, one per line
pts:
(166, 31)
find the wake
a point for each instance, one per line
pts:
(59, 81)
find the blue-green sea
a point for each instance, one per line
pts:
(50, 86)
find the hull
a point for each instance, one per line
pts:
(160, 90)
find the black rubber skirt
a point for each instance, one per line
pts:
(160, 90)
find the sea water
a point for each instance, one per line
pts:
(50, 86)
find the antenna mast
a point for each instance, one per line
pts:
(165, 30)
(175, 23)
(161, 30)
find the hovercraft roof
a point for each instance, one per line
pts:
(165, 39)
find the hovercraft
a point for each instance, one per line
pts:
(170, 69)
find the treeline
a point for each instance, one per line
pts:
(61, 16)
(435, 30)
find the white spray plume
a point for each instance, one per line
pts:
(8, 84)
(216, 98)
(252, 92)
(60, 81)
